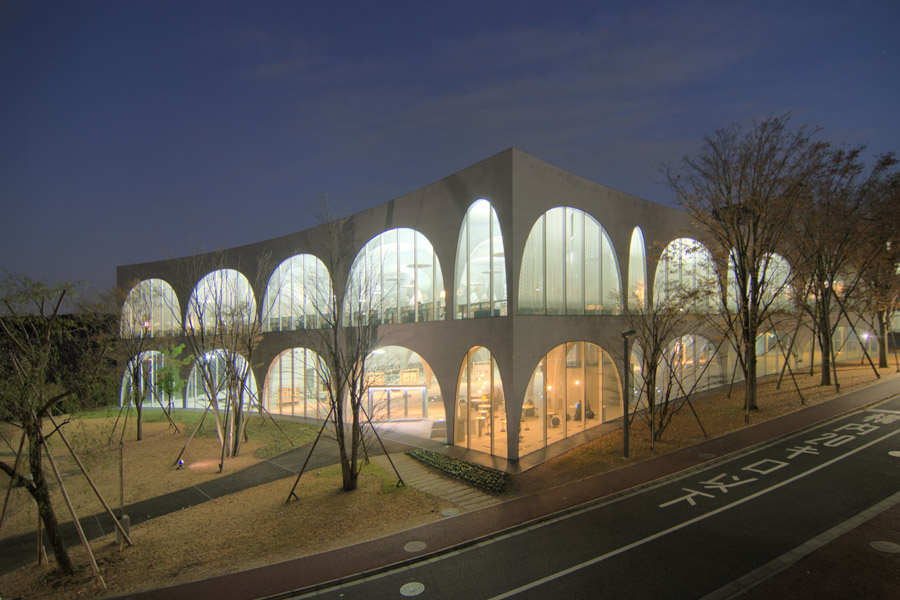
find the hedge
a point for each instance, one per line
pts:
(485, 478)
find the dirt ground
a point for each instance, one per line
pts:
(256, 527)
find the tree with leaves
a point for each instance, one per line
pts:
(50, 363)
(743, 188)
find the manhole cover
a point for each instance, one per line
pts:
(412, 589)
(889, 547)
(414, 546)
(449, 512)
(706, 455)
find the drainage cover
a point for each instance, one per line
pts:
(449, 512)
(412, 589)
(889, 547)
(414, 546)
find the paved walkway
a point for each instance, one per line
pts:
(417, 475)
(476, 521)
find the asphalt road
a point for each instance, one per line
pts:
(689, 536)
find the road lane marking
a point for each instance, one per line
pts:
(688, 523)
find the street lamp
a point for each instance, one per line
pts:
(626, 389)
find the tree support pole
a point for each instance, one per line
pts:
(400, 481)
(199, 423)
(84, 542)
(308, 456)
(91, 482)
(13, 478)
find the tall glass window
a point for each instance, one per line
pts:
(395, 278)
(298, 295)
(209, 381)
(637, 271)
(574, 387)
(480, 264)
(690, 363)
(222, 298)
(151, 307)
(148, 389)
(294, 385)
(402, 387)
(568, 267)
(771, 349)
(480, 404)
(775, 273)
(685, 274)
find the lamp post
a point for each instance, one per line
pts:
(626, 389)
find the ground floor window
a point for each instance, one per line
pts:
(480, 405)
(294, 385)
(150, 388)
(574, 387)
(217, 376)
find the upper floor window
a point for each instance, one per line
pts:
(151, 308)
(480, 264)
(569, 267)
(298, 295)
(395, 278)
(222, 299)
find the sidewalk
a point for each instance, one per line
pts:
(345, 564)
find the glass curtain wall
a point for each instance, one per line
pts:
(294, 385)
(637, 271)
(208, 380)
(480, 265)
(480, 404)
(151, 306)
(298, 295)
(395, 278)
(691, 363)
(402, 386)
(222, 298)
(775, 272)
(771, 348)
(148, 387)
(686, 267)
(574, 387)
(569, 267)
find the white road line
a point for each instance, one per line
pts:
(687, 523)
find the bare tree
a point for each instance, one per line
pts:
(829, 234)
(742, 188)
(48, 359)
(222, 330)
(658, 324)
(139, 333)
(878, 261)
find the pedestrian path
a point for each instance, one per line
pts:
(420, 477)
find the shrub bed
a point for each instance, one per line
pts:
(485, 478)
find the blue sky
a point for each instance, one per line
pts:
(133, 131)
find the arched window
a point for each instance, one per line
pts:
(771, 349)
(395, 278)
(209, 380)
(686, 275)
(774, 277)
(294, 385)
(637, 271)
(480, 264)
(574, 387)
(151, 307)
(298, 295)
(690, 364)
(401, 387)
(568, 267)
(150, 388)
(222, 298)
(480, 404)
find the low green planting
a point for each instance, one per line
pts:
(485, 478)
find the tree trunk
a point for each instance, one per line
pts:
(882, 340)
(825, 346)
(139, 409)
(41, 494)
(750, 373)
